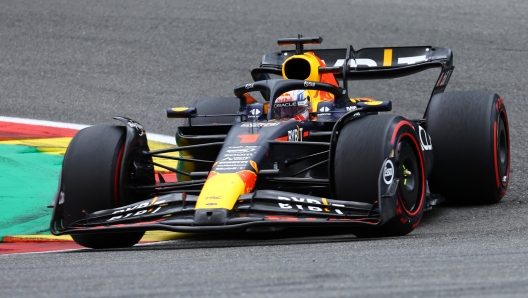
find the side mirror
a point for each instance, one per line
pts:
(181, 112)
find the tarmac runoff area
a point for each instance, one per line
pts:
(31, 154)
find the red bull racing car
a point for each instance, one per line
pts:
(307, 154)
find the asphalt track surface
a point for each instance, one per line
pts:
(86, 61)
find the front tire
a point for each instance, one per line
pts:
(471, 146)
(363, 146)
(90, 182)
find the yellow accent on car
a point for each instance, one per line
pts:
(266, 107)
(179, 109)
(373, 103)
(387, 57)
(361, 99)
(254, 165)
(222, 190)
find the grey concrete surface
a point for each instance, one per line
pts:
(86, 61)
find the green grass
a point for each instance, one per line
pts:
(28, 181)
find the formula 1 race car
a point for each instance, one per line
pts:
(305, 155)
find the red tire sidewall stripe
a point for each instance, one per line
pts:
(397, 128)
(116, 175)
(499, 107)
(422, 170)
(505, 118)
(495, 161)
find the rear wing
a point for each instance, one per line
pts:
(374, 63)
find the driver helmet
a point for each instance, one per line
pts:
(293, 104)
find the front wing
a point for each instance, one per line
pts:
(263, 208)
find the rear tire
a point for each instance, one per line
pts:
(90, 177)
(362, 147)
(471, 146)
(215, 105)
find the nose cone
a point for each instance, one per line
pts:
(221, 190)
(210, 217)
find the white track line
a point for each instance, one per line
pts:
(151, 136)
(43, 252)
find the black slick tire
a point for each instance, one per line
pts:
(361, 150)
(90, 177)
(471, 147)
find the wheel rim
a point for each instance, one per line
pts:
(502, 150)
(409, 186)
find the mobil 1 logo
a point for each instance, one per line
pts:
(388, 171)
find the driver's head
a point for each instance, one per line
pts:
(293, 104)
